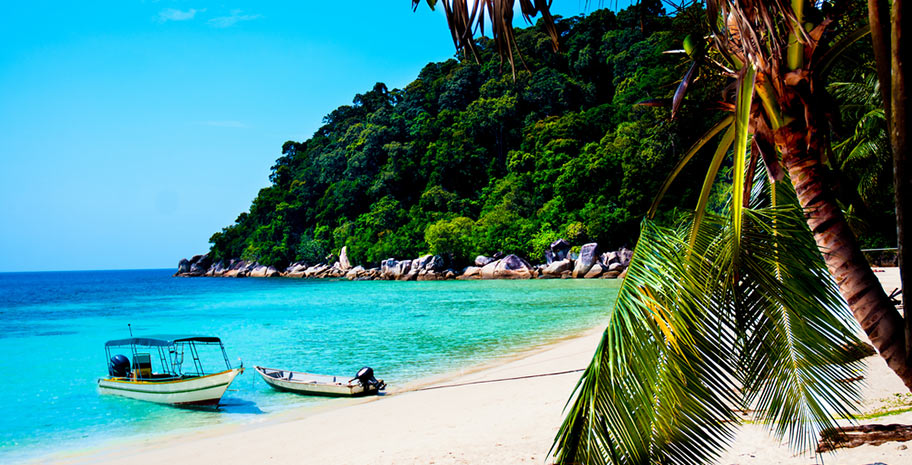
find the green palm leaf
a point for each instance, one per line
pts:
(654, 388)
(698, 333)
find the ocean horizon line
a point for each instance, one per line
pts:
(100, 270)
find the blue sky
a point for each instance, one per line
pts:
(130, 131)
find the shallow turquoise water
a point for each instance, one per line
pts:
(55, 326)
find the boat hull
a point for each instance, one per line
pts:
(203, 391)
(324, 389)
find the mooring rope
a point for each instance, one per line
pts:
(498, 380)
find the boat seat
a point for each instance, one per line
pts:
(142, 365)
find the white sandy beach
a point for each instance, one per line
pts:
(492, 423)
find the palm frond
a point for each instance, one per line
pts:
(742, 123)
(698, 333)
(657, 389)
(797, 329)
(465, 18)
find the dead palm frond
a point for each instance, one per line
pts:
(468, 17)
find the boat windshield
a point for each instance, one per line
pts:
(166, 358)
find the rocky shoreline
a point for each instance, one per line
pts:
(589, 263)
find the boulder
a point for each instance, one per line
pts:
(183, 266)
(411, 275)
(216, 269)
(610, 275)
(549, 257)
(609, 258)
(481, 260)
(449, 274)
(511, 267)
(623, 274)
(388, 268)
(435, 264)
(487, 271)
(428, 275)
(354, 272)
(595, 271)
(200, 264)
(471, 272)
(624, 256)
(587, 257)
(315, 270)
(559, 249)
(297, 267)
(420, 262)
(319, 271)
(344, 264)
(514, 262)
(402, 269)
(616, 266)
(336, 271)
(566, 274)
(555, 269)
(258, 271)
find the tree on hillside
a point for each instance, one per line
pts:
(561, 147)
(659, 389)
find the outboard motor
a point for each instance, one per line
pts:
(119, 366)
(366, 378)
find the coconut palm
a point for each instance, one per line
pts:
(734, 311)
(783, 67)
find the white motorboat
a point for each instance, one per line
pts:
(363, 384)
(167, 381)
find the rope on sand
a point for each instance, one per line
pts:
(499, 380)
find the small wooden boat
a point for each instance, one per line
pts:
(168, 382)
(363, 384)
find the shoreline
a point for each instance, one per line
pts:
(522, 361)
(493, 423)
(560, 263)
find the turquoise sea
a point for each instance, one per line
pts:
(55, 325)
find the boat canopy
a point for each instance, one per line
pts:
(160, 340)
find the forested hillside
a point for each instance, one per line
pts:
(466, 160)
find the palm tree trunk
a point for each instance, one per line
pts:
(879, 19)
(899, 131)
(844, 259)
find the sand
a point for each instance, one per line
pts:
(506, 422)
